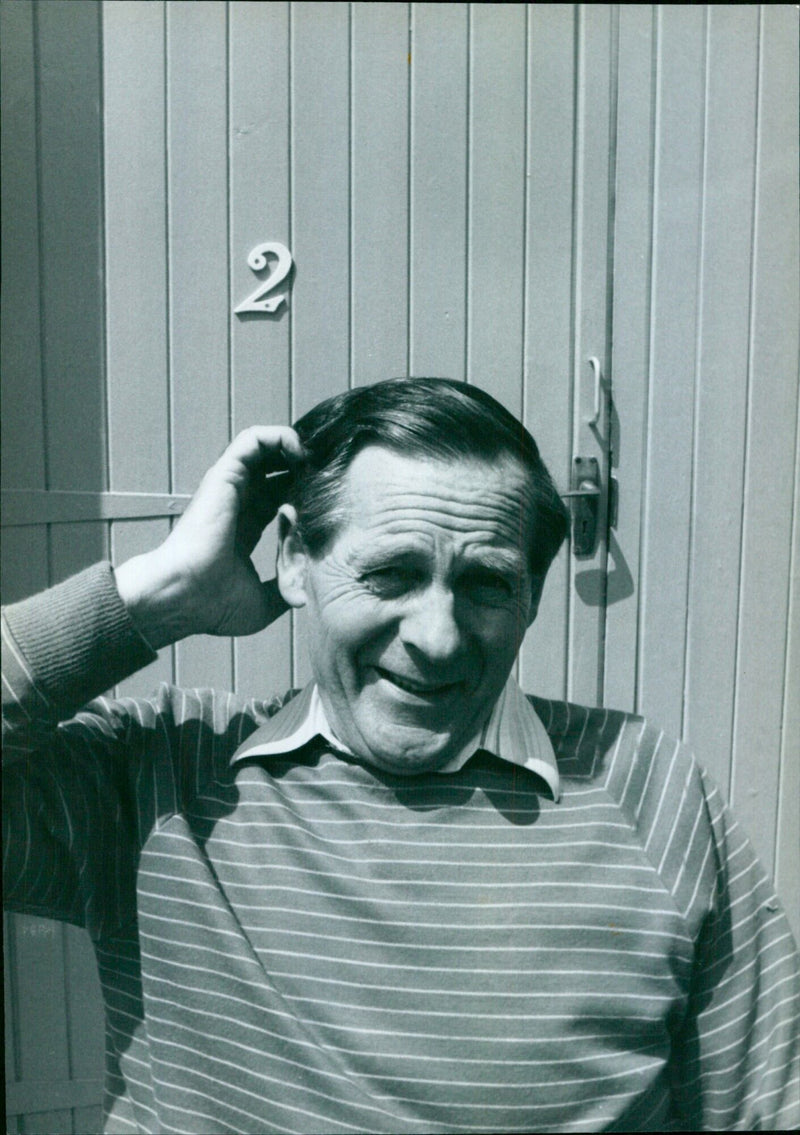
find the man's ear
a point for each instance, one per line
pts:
(292, 559)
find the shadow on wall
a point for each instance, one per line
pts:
(618, 581)
(597, 587)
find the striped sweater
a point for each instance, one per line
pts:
(306, 944)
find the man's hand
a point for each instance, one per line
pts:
(201, 580)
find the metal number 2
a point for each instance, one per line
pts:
(257, 260)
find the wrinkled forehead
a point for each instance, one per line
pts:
(385, 492)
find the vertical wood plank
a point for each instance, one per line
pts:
(678, 188)
(787, 843)
(496, 156)
(320, 145)
(70, 222)
(259, 210)
(379, 152)
(721, 400)
(771, 424)
(320, 175)
(135, 237)
(590, 322)
(198, 243)
(204, 661)
(130, 538)
(633, 205)
(74, 547)
(259, 203)
(439, 60)
(199, 319)
(10, 1006)
(548, 306)
(23, 557)
(58, 1009)
(85, 1018)
(22, 450)
(24, 561)
(43, 1039)
(39, 1044)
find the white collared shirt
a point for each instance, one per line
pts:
(513, 733)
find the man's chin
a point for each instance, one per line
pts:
(406, 764)
(409, 756)
(405, 740)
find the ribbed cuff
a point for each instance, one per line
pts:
(78, 637)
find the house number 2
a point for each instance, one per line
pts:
(257, 260)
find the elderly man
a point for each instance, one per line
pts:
(408, 898)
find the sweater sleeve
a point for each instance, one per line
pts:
(736, 1065)
(66, 827)
(61, 649)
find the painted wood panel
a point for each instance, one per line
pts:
(595, 34)
(379, 165)
(438, 189)
(136, 205)
(320, 200)
(694, 378)
(197, 218)
(679, 116)
(23, 452)
(320, 225)
(136, 267)
(85, 1030)
(198, 276)
(10, 1016)
(547, 358)
(787, 868)
(259, 204)
(37, 1011)
(771, 432)
(722, 359)
(23, 555)
(634, 207)
(70, 211)
(496, 200)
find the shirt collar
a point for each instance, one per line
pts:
(514, 733)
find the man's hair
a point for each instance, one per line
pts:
(431, 418)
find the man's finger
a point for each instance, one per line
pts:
(272, 448)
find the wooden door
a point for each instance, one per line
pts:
(705, 395)
(498, 193)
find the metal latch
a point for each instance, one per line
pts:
(584, 497)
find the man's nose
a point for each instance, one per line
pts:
(431, 627)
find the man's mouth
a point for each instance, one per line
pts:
(415, 685)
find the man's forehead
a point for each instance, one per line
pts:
(377, 466)
(401, 495)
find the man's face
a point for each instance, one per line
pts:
(418, 607)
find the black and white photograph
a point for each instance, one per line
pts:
(400, 567)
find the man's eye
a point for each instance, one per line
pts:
(486, 587)
(390, 581)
